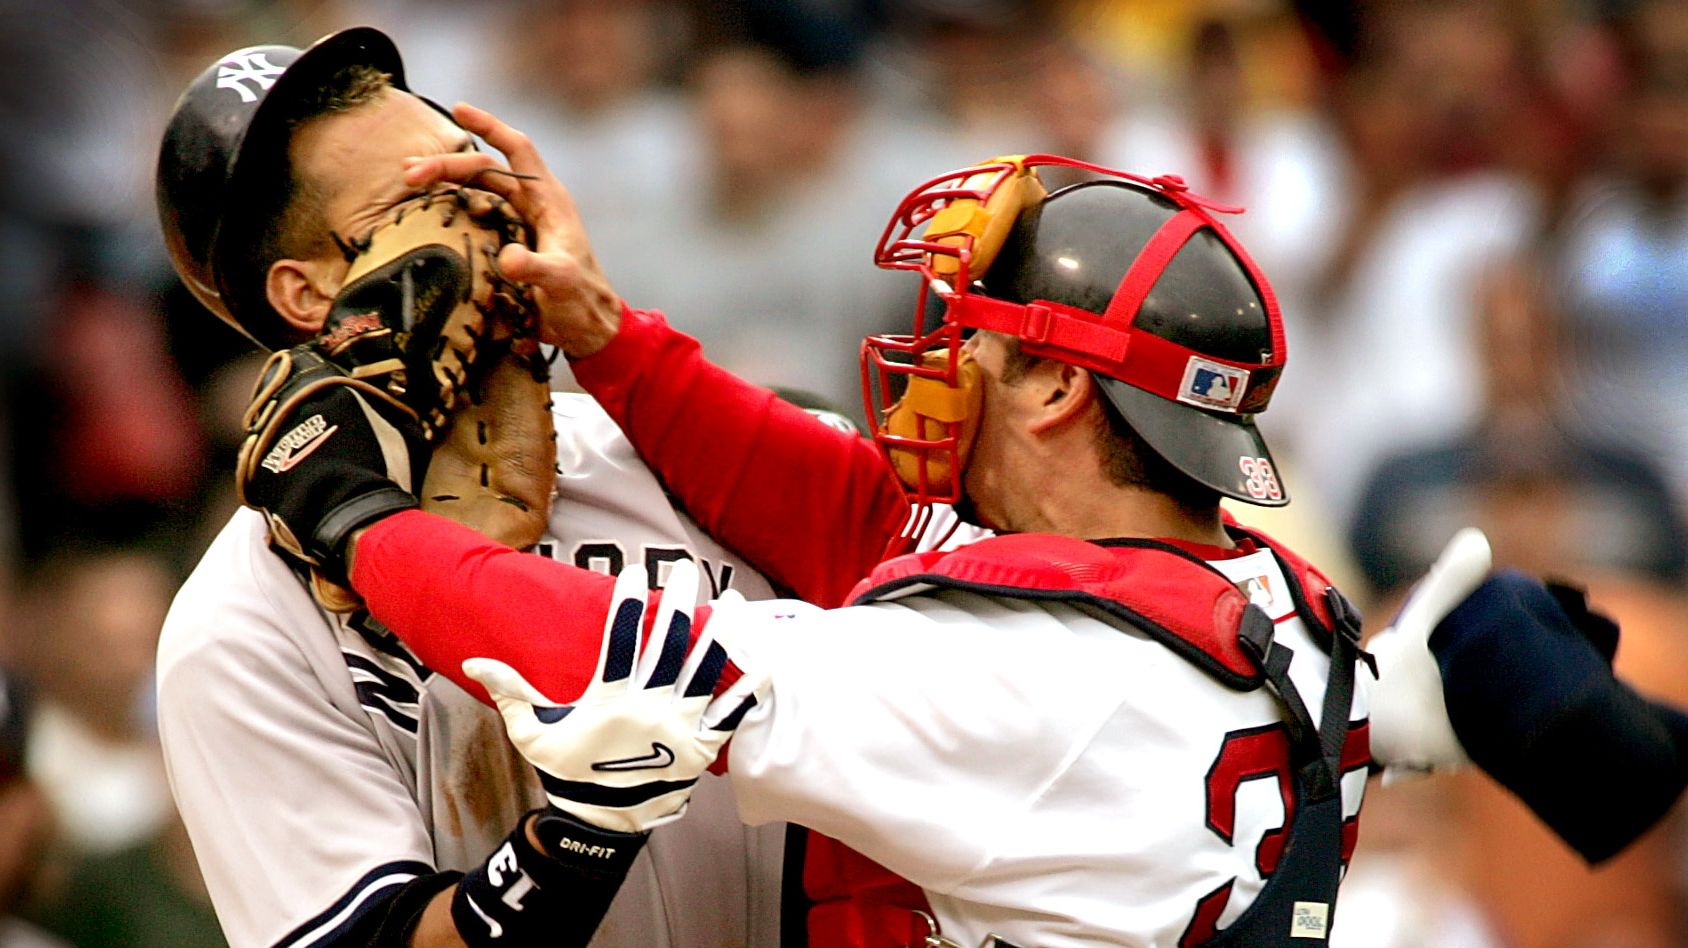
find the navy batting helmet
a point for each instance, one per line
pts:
(223, 137)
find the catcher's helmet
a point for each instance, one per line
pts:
(1132, 278)
(222, 137)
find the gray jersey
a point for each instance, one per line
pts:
(317, 764)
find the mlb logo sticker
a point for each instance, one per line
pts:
(1258, 589)
(1212, 385)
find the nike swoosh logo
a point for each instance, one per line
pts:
(493, 929)
(659, 757)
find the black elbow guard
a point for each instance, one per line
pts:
(1527, 677)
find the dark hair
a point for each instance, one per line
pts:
(1127, 460)
(285, 219)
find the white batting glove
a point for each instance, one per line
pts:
(1410, 730)
(626, 755)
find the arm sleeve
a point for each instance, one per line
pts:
(1532, 697)
(810, 506)
(302, 828)
(451, 594)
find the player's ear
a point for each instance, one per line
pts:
(1065, 391)
(300, 293)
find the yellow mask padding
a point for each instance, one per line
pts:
(986, 223)
(925, 411)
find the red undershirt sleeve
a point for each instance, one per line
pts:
(451, 594)
(809, 506)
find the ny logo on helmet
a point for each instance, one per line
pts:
(253, 66)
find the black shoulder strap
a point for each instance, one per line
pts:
(1318, 751)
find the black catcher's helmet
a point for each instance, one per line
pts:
(222, 138)
(1132, 278)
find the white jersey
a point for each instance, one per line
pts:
(317, 763)
(1042, 774)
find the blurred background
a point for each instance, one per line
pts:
(1475, 213)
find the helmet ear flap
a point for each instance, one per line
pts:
(977, 227)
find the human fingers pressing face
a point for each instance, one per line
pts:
(579, 310)
(523, 180)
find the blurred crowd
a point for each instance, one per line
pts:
(1474, 212)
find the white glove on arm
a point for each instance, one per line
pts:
(1410, 730)
(626, 755)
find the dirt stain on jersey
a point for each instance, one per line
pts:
(489, 781)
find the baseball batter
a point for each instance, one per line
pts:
(338, 792)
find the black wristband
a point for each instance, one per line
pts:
(585, 851)
(359, 510)
(521, 895)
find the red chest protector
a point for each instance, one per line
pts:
(1152, 586)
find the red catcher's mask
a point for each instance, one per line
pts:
(1130, 277)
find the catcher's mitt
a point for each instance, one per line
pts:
(426, 319)
(423, 300)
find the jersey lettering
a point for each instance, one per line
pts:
(1260, 753)
(608, 557)
(659, 559)
(600, 556)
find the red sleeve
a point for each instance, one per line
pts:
(809, 506)
(450, 594)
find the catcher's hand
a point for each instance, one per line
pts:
(324, 454)
(1410, 730)
(579, 311)
(626, 755)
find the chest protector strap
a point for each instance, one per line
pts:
(1297, 905)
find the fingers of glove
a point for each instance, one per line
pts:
(726, 710)
(1457, 572)
(618, 651)
(703, 668)
(525, 710)
(660, 667)
(722, 643)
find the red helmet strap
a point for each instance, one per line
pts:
(1060, 331)
(1151, 263)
